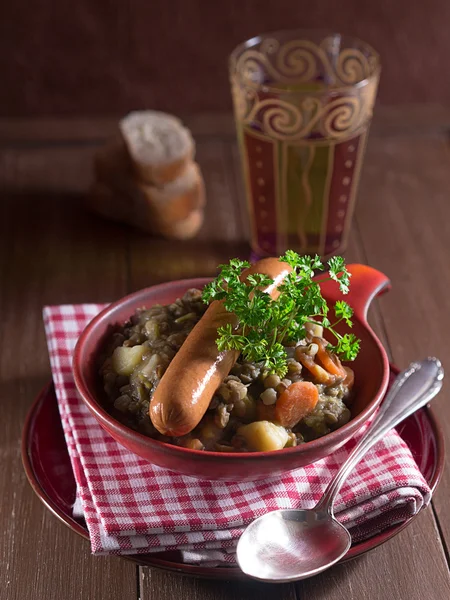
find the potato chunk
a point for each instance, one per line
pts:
(263, 436)
(125, 359)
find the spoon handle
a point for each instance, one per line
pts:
(412, 389)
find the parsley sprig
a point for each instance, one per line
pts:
(266, 325)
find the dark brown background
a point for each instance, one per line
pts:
(89, 57)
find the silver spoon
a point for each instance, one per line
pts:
(287, 545)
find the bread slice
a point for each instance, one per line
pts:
(166, 210)
(158, 144)
(185, 229)
(174, 201)
(109, 203)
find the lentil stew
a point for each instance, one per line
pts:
(251, 410)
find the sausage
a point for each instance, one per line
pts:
(196, 371)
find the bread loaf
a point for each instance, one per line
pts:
(147, 177)
(158, 144)
(173, 201)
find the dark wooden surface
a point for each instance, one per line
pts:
(52, 251)
(95, 58)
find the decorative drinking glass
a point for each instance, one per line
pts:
(303, 104)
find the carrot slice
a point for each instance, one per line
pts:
(297, 401)
(329, 361)
(319, 374)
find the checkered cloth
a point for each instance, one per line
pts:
(131, 506)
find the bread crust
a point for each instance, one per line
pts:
(147, 134)
(161, 174)
(172, 202)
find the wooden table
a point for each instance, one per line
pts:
(52, 251)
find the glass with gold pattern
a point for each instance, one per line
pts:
(303, 105)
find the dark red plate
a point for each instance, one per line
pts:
(48, 468)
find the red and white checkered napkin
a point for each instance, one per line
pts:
(131, 506)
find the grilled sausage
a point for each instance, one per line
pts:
(186, 388)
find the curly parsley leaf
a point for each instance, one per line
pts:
(343, 311)
(266, 325)
(347, 347)
(305, 266)
(228, 340)
(338, 272)
(276, 361)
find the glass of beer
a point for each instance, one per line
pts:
(303, 105)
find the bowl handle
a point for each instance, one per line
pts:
(365, 284)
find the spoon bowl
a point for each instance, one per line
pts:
(292, 542)
(288, 545)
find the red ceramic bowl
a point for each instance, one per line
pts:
(371, 380)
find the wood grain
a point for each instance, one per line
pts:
(50, 253)
(407, 119)
(26, 169)
(410, 566)
(405, 207)
(165, 586)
